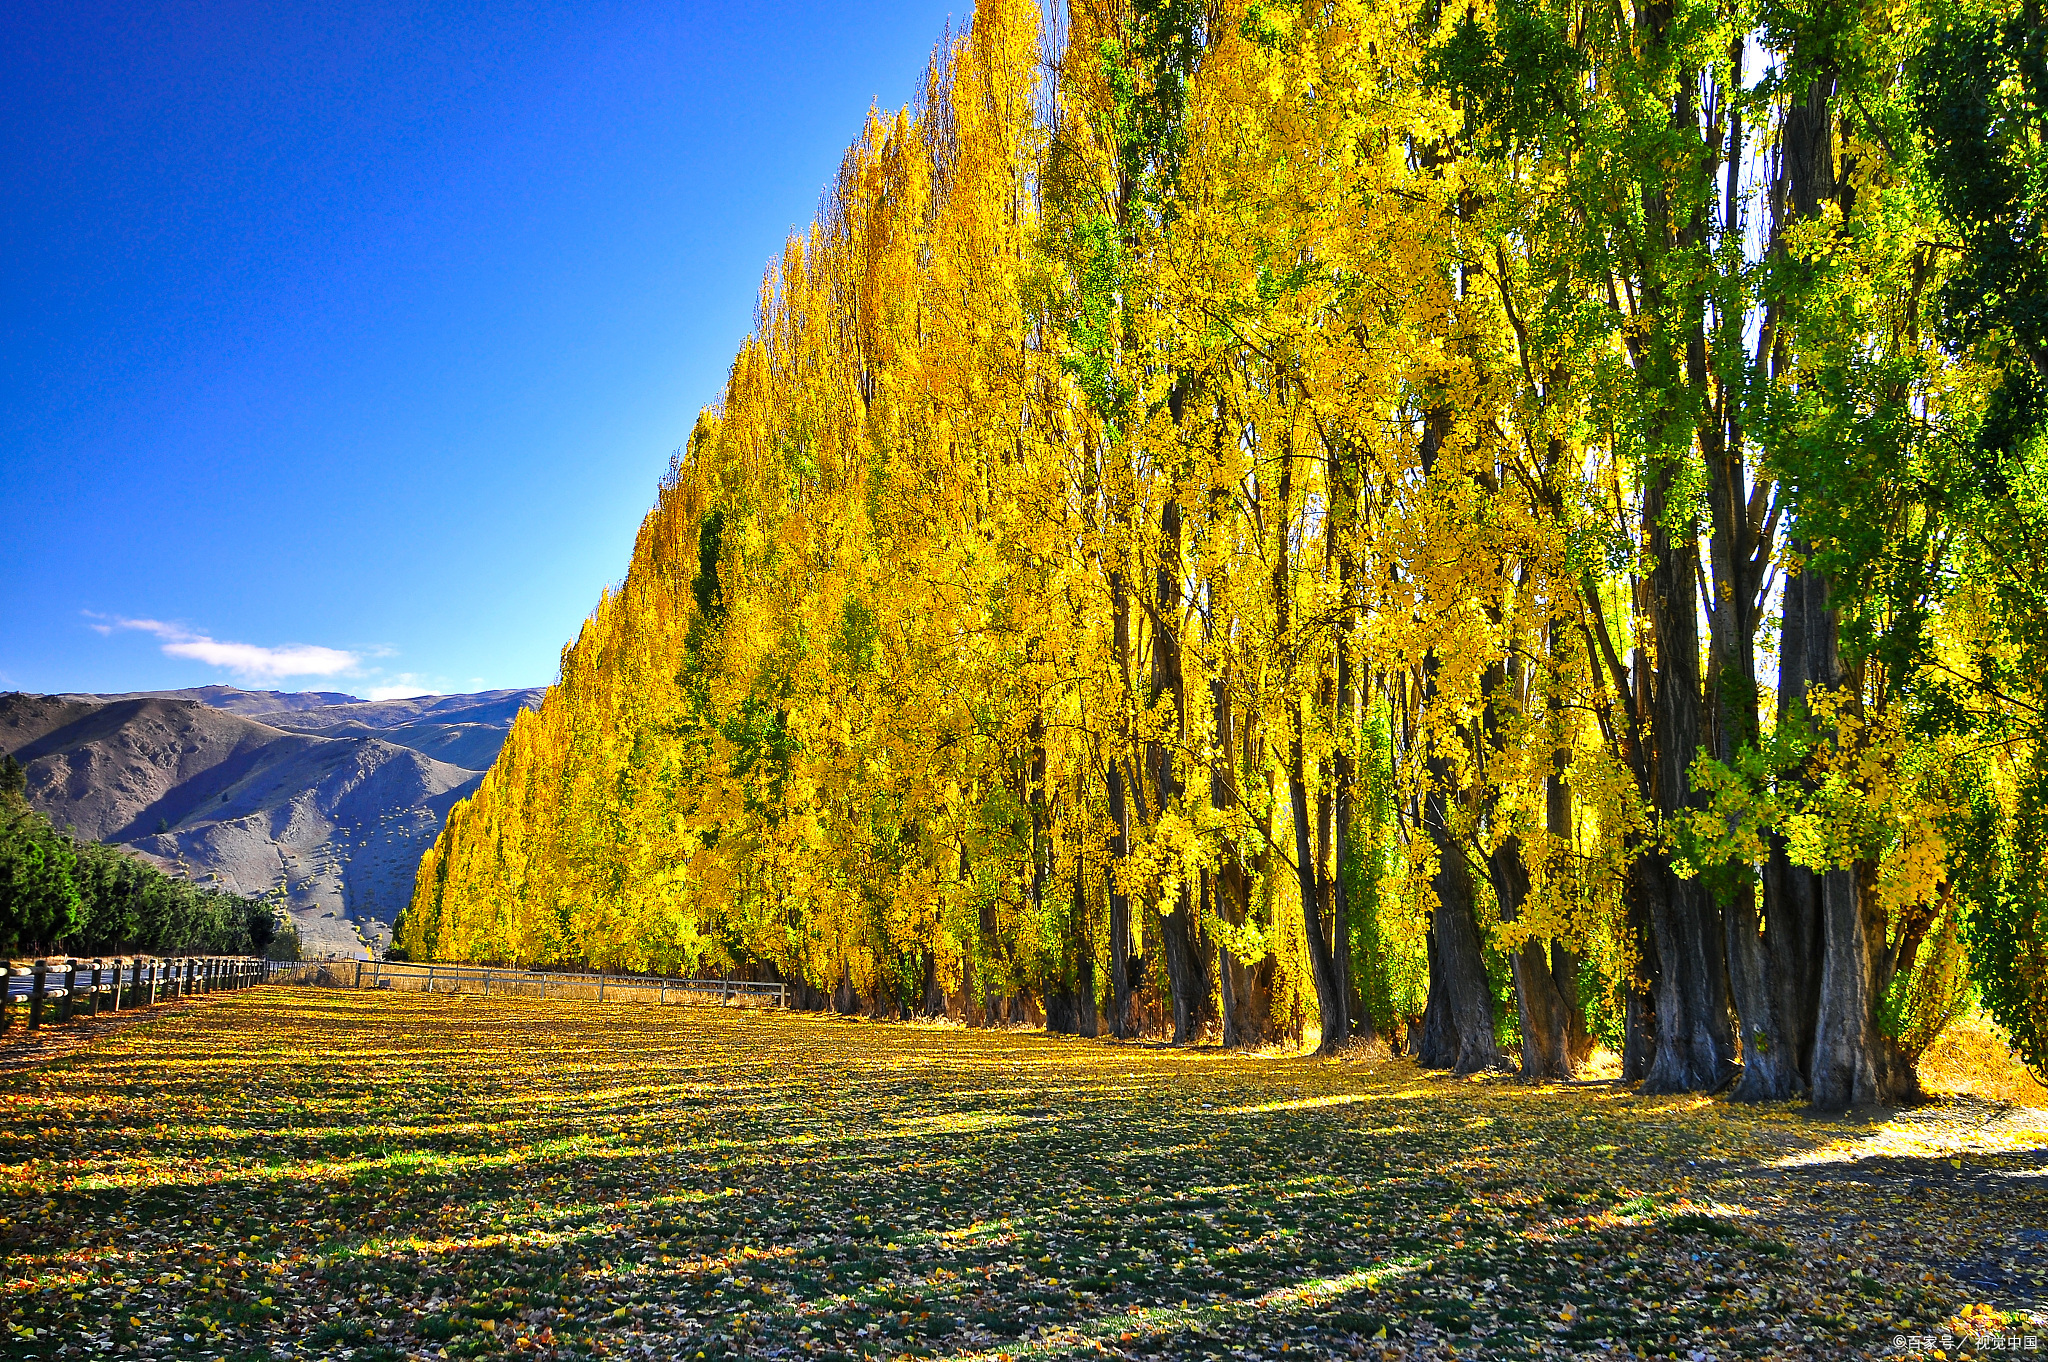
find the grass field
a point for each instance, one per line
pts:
(309, 1172)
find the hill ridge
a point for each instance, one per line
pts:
(327, 805)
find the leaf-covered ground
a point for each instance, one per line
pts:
(298, 1172)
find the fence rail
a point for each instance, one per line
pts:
(437, 978)
(58, 988)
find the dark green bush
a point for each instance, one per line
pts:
(60, 895)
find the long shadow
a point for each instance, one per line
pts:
(576, 1179)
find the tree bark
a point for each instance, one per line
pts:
(1458, 1020)
(1322, 967)
(1539, 1005)
(1185, 977)
(1639, 1018)
(1120, 1020)
(1085, 1021)
(1792, 893)
(1357, 1022)
(1695, 1043)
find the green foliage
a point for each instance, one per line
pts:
(1148, 86)
(1998, 863)
(704, 587)
(40, 901)
(1389, 973)
(58, 894)
(1513, 79)
(1981, 108)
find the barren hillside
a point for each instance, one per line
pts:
(329, 805)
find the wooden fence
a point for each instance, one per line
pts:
(519, 983)
(44, 992)
(40, 992)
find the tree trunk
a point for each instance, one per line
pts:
(1563, 964)
(1639, 1018)
(1792, 893)
(1322, 967)
(1695, 1043)
(1119, 908)
(1846, 1055)
(1457, 1030)
(1184, 973)
(1458, 1021)
(1185, 977)
(1085, 1022)
(1540, 1005)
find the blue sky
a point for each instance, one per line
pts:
(344, 345)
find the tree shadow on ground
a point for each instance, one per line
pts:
(304, 1172)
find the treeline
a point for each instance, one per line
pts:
(61, 895)
(1493, 527)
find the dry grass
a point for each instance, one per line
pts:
(1972, 1059)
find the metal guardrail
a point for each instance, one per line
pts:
(58, 988)
(450, 978)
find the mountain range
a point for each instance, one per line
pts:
(320, 798)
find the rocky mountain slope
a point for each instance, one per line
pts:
(321, 798)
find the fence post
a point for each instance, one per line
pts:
(67, 1007)
(38, 993)
(600, 985)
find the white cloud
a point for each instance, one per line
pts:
(250, 661)
(399, 693)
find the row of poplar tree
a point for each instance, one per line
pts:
(1517, 520)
